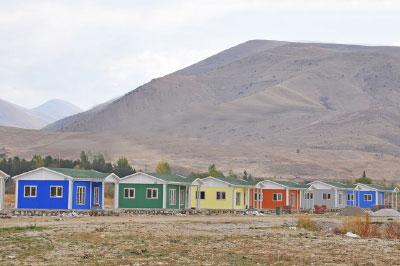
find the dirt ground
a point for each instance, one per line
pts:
(184, 240)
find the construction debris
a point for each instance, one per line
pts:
(352, 211)
(386, 213)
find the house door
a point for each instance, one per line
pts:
(293, 200)
(238, 196)
(380, 199)
(182, 198)
(96, 196)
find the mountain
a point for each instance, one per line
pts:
(16, 116)
(281, 108)
(54, 110)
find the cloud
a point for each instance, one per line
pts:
(87, 52)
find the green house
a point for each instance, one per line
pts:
(153, 191)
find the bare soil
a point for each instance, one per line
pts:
(184, 240)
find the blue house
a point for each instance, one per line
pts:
(61, 188)
(369, 195)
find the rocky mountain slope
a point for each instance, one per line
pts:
(291, 109)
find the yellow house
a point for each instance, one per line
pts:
(220, 193)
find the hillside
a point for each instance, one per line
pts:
(12, 115)
(292, 109)
(54, 110)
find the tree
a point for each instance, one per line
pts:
(231, 174)
(48, 161)
(364, 179)
(99, 163)
(37, 161)
(85, 164)
(163, 168)
(123, 168)
(212, 171)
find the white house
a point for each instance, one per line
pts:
(3, 178)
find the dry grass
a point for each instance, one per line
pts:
(363, 227)
(392, 230)
(9, 200)
(306, 223)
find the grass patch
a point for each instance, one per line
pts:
(306, 223)
(18, 229)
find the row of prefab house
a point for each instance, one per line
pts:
(61, 188)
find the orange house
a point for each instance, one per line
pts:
(268, 194)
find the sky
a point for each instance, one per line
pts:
(88, 52)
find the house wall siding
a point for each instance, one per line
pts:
(140, 201)
(211, 202)
(178, 189)
(360, 202)
(87, 203)
(42, 199)
(100, 186)
(269, 203)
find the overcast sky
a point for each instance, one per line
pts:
(87, 52)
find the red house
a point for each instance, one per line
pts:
(269, 194)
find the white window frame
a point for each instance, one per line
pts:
(56, 196)
(78, 202)
(350, 197)
(258, 196)
(200, 193)
(325, 196)
(30, 191)
(221, 193)
(172, 200)
(308, 195)
(129, 189)
(152, 189)
(370, 195)
(96, 200)
(236, 198)
(277, 198)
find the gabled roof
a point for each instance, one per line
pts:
(228, 180)
(4, 175)
(81, 173)
(68, 173)
(163, 178)
(282, 183)
(173, 178)
(378, 187)
(334, 184)
(339, 184)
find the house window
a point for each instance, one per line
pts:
(257, 196)
(368, 197)
(202, 194)
(350, 197)
(30, 191)
(81, 195)
(326, 196)
(277, 197)
(308, 195)
(152, 193)
(238, 196)
(221, 195)
(129, 193)
(172, 197)
(56, 191)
